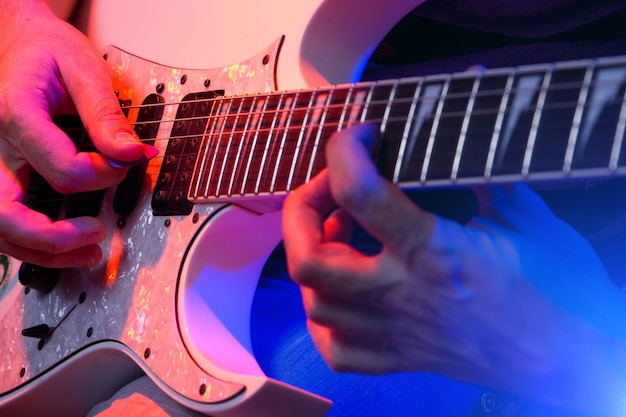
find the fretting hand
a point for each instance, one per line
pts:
(503, 301)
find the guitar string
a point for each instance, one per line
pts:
(268, 114)
(266, 117)
(155, 171)
(285, 129)
(463, 95)
(220, 150)
(391, 83)
(289, 131)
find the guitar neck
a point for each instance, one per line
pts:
(524, 123)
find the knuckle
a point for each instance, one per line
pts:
(105, 110)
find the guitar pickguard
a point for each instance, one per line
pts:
(150, 298)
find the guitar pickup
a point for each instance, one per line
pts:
(146, 128)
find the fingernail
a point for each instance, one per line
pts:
(149, 153)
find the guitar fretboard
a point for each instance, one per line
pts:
(532, 122)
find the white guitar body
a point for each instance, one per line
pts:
(172, 297)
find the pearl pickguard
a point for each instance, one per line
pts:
(150, 298)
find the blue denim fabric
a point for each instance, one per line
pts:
(286, 352)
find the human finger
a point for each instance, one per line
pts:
(90, 88)
(305, 210)
(312, 259)
(53, 155)
(83, 257)
(35, 230)
(379, 206)
(338, 226)
(346, 315)
(346, 353)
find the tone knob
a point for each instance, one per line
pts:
(38, 278)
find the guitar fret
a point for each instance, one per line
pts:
(495, 138)
(268, 139)
(357, 107)
(274, 156)
(396, 111)
(518, 122)
(433, 131)
(530, 145)
(200, 159)
(203, 180)
(246, 146)
(316, 159)
(311, 131)
(227, 161)
(329, 100)
(464, 127)
(368, 100)
(406, 133)
(293, 143)
(292, 102)
(600, 118)
(252, 167)
(264, 139)
(421, 125)
(346, 107)
(392, 94)
(481, 125)
(580, 106)
(449, 132)
(247, 105)
(302, 141)
(233, 148)
(619, 136)
(531, 121)
(215, 172)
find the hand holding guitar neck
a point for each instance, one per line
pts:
(49, 68)
(444, 297)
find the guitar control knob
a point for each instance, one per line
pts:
(40, 331)
(38, 278)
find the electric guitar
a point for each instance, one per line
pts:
(191, 229)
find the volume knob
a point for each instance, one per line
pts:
(38, 278)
